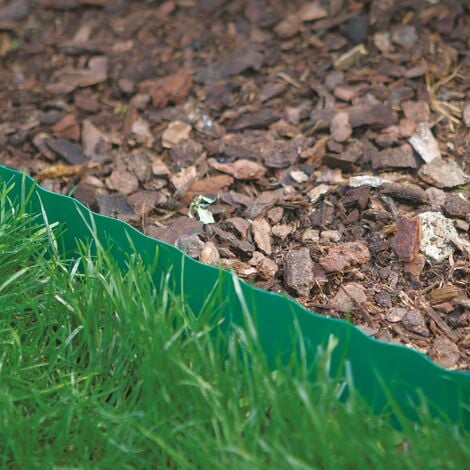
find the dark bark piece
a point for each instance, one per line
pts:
(185, 152)
(263, 203)
(114, 205)
(379, 115)
(144, 202)
(406, 192)
(457, 206)
(357, 196)
(356, 28)
(383, 298)
(381, 13)
(15, 11)
(413, 321)
(86, 103)
(210, 6)
(279, 156)
(242, 245)
(397, 157)
(407, 238)
(70, 152)
(171, 89)
(346, 160)
(321, 119)
(242, 226)
(238, 61)
(221, 96)
(404, 35)
(179, 227)
(298, 271)
(75, 48)
(399, 94)
(270, 90)
(86, 193)
(255, 120)
(323, 216)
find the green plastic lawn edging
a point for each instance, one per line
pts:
(382, 373)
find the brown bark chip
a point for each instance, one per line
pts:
(445, 352)
(457, 206)
(443, 294)
(262, 235)
(413, 321)
(209, 254)
(298, 271)
(342, 257)
(340, 128)
(349, 297)
(240, 169)
(407, 238)
(171, 89)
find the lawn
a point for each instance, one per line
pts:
(101, 368)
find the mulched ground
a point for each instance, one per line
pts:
(317, 148)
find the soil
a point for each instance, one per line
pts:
(317, 148)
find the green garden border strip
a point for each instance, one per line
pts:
(383, 373)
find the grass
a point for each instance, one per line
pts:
(100, 368)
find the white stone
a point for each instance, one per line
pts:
(438, 233)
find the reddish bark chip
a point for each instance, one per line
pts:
(415, 267)
(67, 127)
(342, 257)
(240, 169)
(407, 238)
(170, 89)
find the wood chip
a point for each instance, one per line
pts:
(240, 169)
(298, 271)
(342, 257)
(174, 133)
(407, 239)
(443, 294)
(262, 235)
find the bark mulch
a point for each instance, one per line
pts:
(317, 148)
